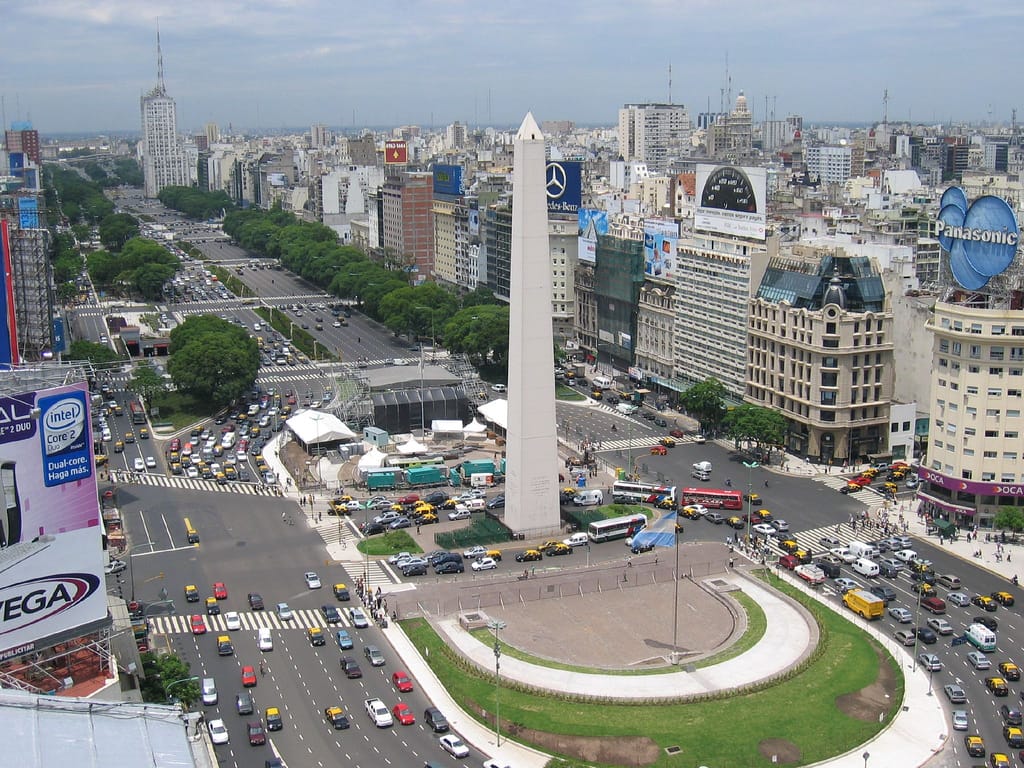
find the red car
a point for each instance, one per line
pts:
(409, 498)
(257, 735)
(248, 676)
(403, 714)
(176, 444)
(198, 625)
(659, 450)
(220, 591)
(402, 682)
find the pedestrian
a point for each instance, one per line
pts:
(283, 516)
(1007, 557)
(732, 562)
(765, 483)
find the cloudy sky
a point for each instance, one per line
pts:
(81, 65)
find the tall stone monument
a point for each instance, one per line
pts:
(531, 483)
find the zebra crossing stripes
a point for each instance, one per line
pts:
(373, 572)
(336, 532)
(124, 477)
(303, 618)
(636, 444)
(811, 539)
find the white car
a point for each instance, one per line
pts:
(139, 464)
(484, 564)
(845, 585)
(906, 555)
(312, 580)
(959, 598)
(476, 493)
(979, 660)
(940, 626)
(780, 525)
(150, 462)
(378, 712)
(336, 324)
(844, 554)
(114, 566)
(474, 552)
(460, 513)
(960, 720)
(453, 745)
(192, 472)
(232, 621)
(764, 529)
(270, 478)
(218, 732)
(499, 388)
(399, 361)
(397, 558)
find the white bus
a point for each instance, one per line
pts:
(644, 493)
(616, 527)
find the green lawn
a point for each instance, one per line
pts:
(720, 732)
(389, 543)
(182, 410)
(563, 392)
(756, 625)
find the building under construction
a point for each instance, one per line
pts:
(31, 274)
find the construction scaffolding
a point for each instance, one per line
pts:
(33, 294)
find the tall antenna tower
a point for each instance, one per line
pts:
(159, 62)
(1013, 127)
(670, 82)
(885, 107)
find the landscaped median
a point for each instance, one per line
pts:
(841, 695)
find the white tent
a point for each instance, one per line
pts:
(372, 459)
(312, 427)
(411, 447)
(446, 426)
(474, 428)
(496, 411)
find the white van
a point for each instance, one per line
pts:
(860, 549)
(701, 470)
(865, 567)
(981, 637)
(209, 691)
(602, 382)
(627, 409)
(578, 539)
(475, 505)
(589, 498)
(264, 639)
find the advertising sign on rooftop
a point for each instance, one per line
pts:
(396, 152)
(981, 239)
(51, 563)
(448, 180)
(563, 181)
(731, 200)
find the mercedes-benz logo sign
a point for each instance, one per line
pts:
(556, 181)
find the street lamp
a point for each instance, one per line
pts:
(167, 688)
(750, 465)
(495, 626)
(866, 755)
(676, 530)
(131, 561)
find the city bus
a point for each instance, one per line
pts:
(138, 412)
(643, 493)
(408, 462)
(616, 527)
(712, 498)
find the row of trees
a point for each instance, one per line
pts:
(476, 323)
(196, 203)
(141, 266)
(79, 198)
(706, 402)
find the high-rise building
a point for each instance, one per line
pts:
(409, 223)
(832, 165)
(654, 133)
(212, 133)
(23, 138)
(164, 162)
(319, 136)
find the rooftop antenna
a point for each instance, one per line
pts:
(728, 80)
(159, 61)
(670, 82)
(885, 107)
(1013, 126)
(773, 106)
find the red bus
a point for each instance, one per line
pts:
(712, 498)
(138, 414)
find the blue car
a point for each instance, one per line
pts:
(344, 640)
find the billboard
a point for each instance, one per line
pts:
(28, 213)
(448, 180)
(396, 152)
(8, 324)
(661, 237)
(51, 558)
(563, 182)
(981, 239)
(592, 223)
(731, 200)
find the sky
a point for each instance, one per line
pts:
(81, 65)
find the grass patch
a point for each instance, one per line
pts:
(706, 731)
(389, 543)
(563, 392)
(181, 410)
(756, 625)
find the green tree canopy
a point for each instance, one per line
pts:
(147, 383)
(142, 264)
(213, 359)
(117, 229)
(480, 332)
(705, 402)
(167, 677)
(97, 354)
(1009, 519)
(763, 426)
(195, 203)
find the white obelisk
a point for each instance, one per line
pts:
(531, 484)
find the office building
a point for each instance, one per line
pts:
(408, 223)
(654, 133)
(831, 165)
(164, 162)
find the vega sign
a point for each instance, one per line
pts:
(981, 239)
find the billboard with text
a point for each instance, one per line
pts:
(51, 558)
(563, 182)
(448, 180)
(396, 152)
(731, 200)
(592, 223)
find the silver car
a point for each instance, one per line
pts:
(901, 615)
(931, 662)
(960, 720)
(979, 660)
(959, 598)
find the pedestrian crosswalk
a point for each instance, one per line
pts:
(125, 477)
(339, 532)
(820, 540)
(866, 495)
(250, 621)
(636, 444)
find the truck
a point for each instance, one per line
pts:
(384, 479)
(864, 604)
(422, 476)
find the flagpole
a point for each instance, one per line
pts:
(675, 595)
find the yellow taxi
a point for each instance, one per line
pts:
(1014, 736)
(254, 432)
(274, 721)
(212, 606)
(100, 459)
(735, 521)
(997, 686)
(336, 717)
(975, 745)
(143, 434)
(1003, 598)
(789, 545)
(803, 555)
(230, 472)
(192, 593)
(493, 553)
(1009, 670)
(422, 508)
(559, 548)
(548, 544)
(689, 511)
(176, 468)
(666, 503)
(224, 646)
(119, 446)
(528, 555)
(427, 518)
(129, 437)
(999, 760)
(668, 442)
(316, 636)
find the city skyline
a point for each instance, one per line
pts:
(296, 62)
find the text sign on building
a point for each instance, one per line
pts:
(731, 200)
(448, 180)
(661, 238)
(592, 223)
(981, 239)
(396, 152)
(563, 182)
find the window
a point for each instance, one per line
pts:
(991, 433)
(894, 428)
(830, 328)
(995, 371)
(998, 330)
(971, 410)
(906, 426)
(1013, 393)
(972, 389)
(974, 351)
(1011, 434)
(988, 477)
(995, 392)
(1012, 414)
(1009, 456)
(995, 353)
(989, 454)
(828, 416)
(830, 362)
(970, 431)
(992, 412)
(944, 346)
(1007, 477)
(956, 348)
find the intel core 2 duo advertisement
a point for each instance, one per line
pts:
(51, 560)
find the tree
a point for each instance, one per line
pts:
(763, 426)
(167, 678)
(1009, 519)
(213, 359)
(117, 229)
(147, 383)
(97, 354)
(480, 332)
(706, 402)
(149, 280)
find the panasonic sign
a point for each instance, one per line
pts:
(981, 239)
